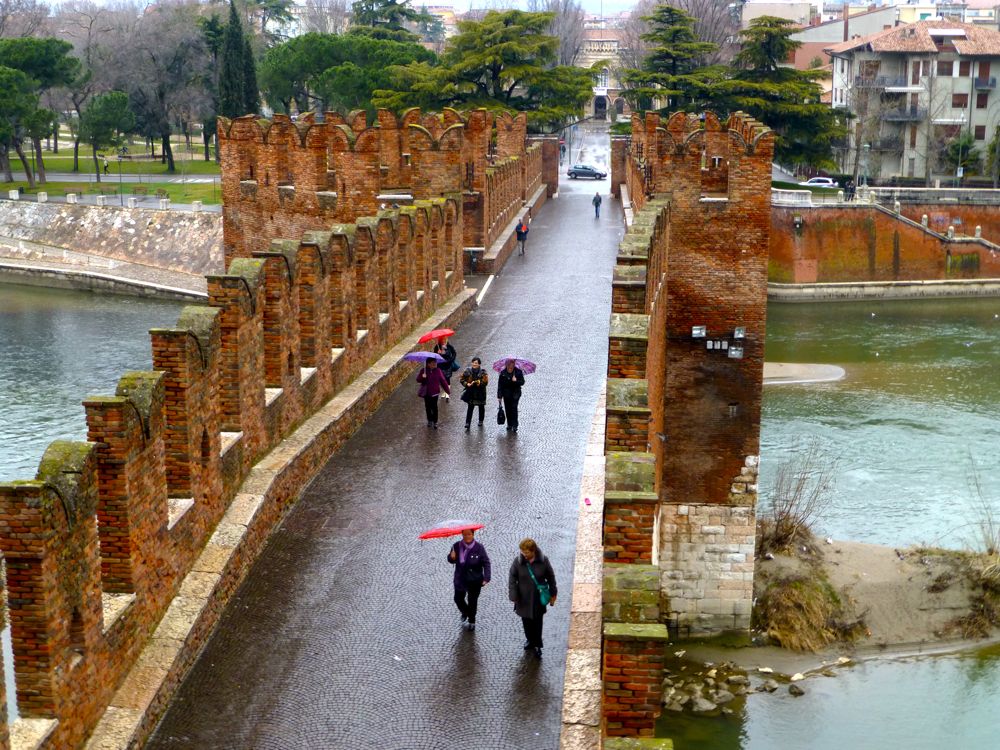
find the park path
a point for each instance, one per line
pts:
(344, 635)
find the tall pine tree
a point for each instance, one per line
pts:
(232, 86)
(251, 93)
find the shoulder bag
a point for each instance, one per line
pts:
(543, 588)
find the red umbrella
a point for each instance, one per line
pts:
(452, 527)
(437, 333)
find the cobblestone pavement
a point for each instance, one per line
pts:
(344, 634)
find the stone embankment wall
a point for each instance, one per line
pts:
(116, 534)
(685, 373)
(189, 242)
(866, 243)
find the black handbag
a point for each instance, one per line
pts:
(501, 417)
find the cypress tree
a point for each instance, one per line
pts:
(251, 94)
(232, 97)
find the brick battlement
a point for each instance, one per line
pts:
(685, 373)
(98, 544)
(282, 178)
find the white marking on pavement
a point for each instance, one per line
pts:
(482, 292)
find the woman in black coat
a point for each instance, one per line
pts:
(509, 385)
(475, 379)
(522, 589)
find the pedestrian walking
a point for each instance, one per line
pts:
(509, 385)
(446, 350)
(475, 380)
(472, 572)
(531, 585)
(522, 234)
(105, 164)
(597, 205)
(432, 385)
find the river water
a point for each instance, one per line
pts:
(915, 419)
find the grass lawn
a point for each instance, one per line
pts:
(179, 193)
(817, 189)
(63, 163)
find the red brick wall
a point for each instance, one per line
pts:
(626, 358)
(619, 155)
(633, 672)
(626, 430)
(628, 530)
(860, 243)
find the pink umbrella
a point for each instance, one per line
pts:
(524, 365)
(451, 527)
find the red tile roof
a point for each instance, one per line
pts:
(919, 37)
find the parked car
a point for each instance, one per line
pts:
(819, 182)
(585, 170)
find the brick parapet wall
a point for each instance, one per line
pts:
(619, 161)
(627, 342)
(864, 243)
(632, 676)
(280, 336)
(629, 524)
(627, 427)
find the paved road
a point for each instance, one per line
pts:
(344, 634)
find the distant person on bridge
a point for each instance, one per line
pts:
(432, 383)
(597, 205)
(105, 164)
(531, 585)
(475, 380)
(522, 234)
(472, 572)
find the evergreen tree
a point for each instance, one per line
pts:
(232, 89)
(672, 72)
(251, 93)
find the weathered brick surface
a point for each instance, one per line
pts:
(320, 283)
(632, 672)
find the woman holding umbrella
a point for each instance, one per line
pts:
(509, 390)
(475, 380)
(444, 349)
(472, 572)
(432, 383)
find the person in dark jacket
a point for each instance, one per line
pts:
(446, 350)
(474, 379)
(522, 235)
(432, 383)
(509, 391)
(472, 572)
(522, 589)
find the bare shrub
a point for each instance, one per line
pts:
(802, 492)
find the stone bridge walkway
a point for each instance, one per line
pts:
(344, 635)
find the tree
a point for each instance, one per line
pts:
(48, 64)
(566, 26)
(785, 99)
(232, 94)
(105, 121)
(326, 16)
(268, 18)
(19, 18)
(333, 70)
(432, 30)
(18, 102)
(505, 61)
(673, 69)
(251, 92)
(390, 14)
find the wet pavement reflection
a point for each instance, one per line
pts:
(344, 634)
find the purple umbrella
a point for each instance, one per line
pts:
(422, 357)
(526, 366)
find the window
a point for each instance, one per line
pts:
(959, 101)
(913, 136)
(965, 68)
(910, 166)
(944, 67)
(981, 100)
(980, 132)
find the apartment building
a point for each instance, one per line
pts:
(912, 91)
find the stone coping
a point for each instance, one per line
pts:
(619, 497)
(788, 373)
(237, 540)
(63, 277)
(628, 394)
(638, 743)
(626, 631)
(629, 275)
(629, 326)
(581, 707)
(849, 291)
(629, 471)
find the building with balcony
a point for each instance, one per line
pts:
(912, 91)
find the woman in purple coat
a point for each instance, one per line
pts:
(432, 382)
(472, 572)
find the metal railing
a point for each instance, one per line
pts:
(977, 196)
(905, 114)
(879, 82)
(986, 83)
(805, 198)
